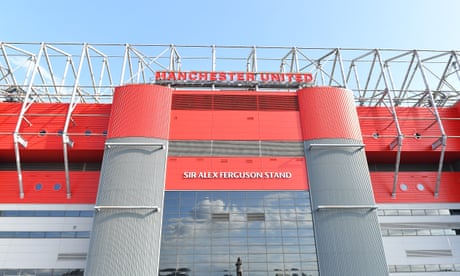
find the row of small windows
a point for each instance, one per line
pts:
(87, 132)
(42, 272)
(424, 268)
(45, 213)
(419, 232)
(184, 271)
(47, 235)
(417, 212)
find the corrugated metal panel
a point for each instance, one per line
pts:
(328, 112)
(125, 240)
(347, 231)
(140, 111)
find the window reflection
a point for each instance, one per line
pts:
(205, 232)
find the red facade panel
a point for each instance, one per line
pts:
(144, 111)
(419, 187)
(43, 126)
(420, 130)
(235, 115)
(140, 111)
(235, 125)
(49, 187)
(328, 112)
(236, 173)
(282, 126)
(84, 184)
(191, 125)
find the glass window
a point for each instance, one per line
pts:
(21, 235)
(86, 213)
(423, 232)
(446, 267)
(444, 212)
(26, 213)
(418, 212)
(417, 268)
(83, 234)
(52, 235)
(404, 212)
(432, 212)
(56, 213)
(205, 232)
(391, 212)
(68, 235)
(37, 235)
(432, 268)
(454, 212)
(9, 213)
(72, 213)
(7, 235)
(403, 268)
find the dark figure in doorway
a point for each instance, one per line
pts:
(239, 269)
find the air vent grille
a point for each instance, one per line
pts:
(235, 148)
(72, 256)
(429, 253)
(271, 102)
(256, 217)
(220, 216)
(234, 102)
(191, 102)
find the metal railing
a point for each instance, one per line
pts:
(56, 72)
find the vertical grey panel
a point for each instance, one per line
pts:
(126, 241)
(347, 232)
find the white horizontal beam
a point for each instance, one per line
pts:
(153, 208)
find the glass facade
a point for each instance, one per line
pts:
(205, 232)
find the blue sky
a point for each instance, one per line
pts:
(402, 24)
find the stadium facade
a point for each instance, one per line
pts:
(295, 161)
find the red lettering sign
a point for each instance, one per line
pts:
(203, 77)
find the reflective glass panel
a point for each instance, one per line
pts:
(205, 232)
